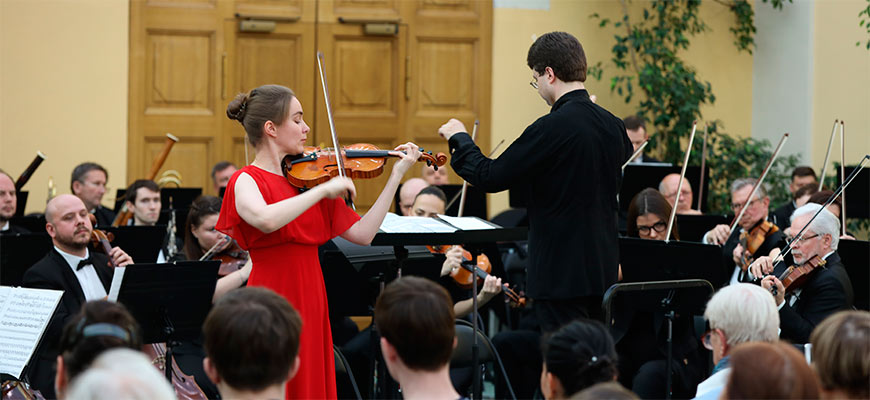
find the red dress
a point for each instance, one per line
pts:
(287, 262)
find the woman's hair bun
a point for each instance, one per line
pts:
(236, 108)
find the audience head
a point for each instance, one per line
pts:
(221, 174)
(740, 313)
(822, 198)
(668, 188)
(605, 390)
(121, 374)
(841, 355)
(430, 202)
(199, 232)
(415, 319)
(820, 238)
(99, 326)
(803, 194)
(576, 356)
(801, 176)
(756, 208)
(648, 215)
(770, 371)
(68, 223)
(636, 130)
(251, 341)
(408, 192)
(8, 197)
(433, 176)
(88, 182)
(264, 111)
(143, 199)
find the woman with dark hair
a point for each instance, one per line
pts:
(648, 215)
(841, 355)
(578, 355)
(282, 227)
(761, 370)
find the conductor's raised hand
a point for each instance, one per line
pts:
(119, 257)
(338, 187)
(408, 153)
(762, 266)
(451, 127)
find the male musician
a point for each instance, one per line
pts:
(434, 177)
(143, 199)
(69, 266)
(408, 192)
(88, 182)
(756, 213)
(668, 188)
(8, 205)
(221, 174)
(635, 128)
(800, 176)
(827, 289)
(572, 236)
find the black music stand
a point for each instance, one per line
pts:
(854, 254)
(637, 177)
(170, 301)
(693, 227)
(473, 241)
(857, 194)
(18, 253)
(475, 201)
(35, 223)
(655, 260)
(141, 243)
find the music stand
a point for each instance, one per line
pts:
(141, 243)
(34, 223)
(637, 177)
(18, 253)
(854, 253)
(170, 301)
(857, 194)
(475, 201)
(654, 260)
(693, 227)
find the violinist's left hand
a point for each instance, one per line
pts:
(451, 127)
(770, 281)
(119, 257)
(409, 154)
(491, 287)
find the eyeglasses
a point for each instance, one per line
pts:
(802, 239)
(738, 206)
(658, 227)
(534, 83)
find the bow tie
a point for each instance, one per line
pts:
(86, 261)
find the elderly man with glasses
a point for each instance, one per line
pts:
(827, 288)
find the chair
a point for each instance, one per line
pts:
(343, 369)
(462, 354)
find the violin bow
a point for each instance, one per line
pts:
(680, 185)
(758, 183)
(636, 154)
(338, 159)
(464, 182)
(827, 155)
(223, 241)
(843, 175)
(831, 199)
(703, 165)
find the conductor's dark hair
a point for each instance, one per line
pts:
(433, 191)
(633, 122)
(580, 354)
(220, 166)
(803, 171)
(416, 317)
(79, 172)
(252, 338)
(99, 326)
(560, 51)
(648, 201)
(253, 109)
(130, 194)
(200, 209)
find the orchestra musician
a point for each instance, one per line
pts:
(800, 177)
(221, 173)
(828, 288)
(572, 235)
(88, 182)
(648, 215)
(434, 176)
(143, 199)
(282, 227)
(668, 188)
(408, 192)
(8, 205)
(83, 275)
(635, 128)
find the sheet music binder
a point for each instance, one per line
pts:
(21, 330)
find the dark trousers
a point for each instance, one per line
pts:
(552, 314)
(520, 352)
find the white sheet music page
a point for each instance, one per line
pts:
(466, 223)
(115, 287)
(24, 315)
(396, 224)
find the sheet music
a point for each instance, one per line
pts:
(24, 315)
(466, 223)
(396, 224)
(115, 288)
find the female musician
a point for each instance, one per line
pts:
(282, 228)
(648, 215)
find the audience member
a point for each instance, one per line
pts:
(416, 323)
(800, 177)
(88, 182)
(221, 174)
(576, 356)
(8, 205)
(770, 371)
(252, 344)
(408, 192)
(605, 391)
(121, 374)
(841, 355)
(433, 176)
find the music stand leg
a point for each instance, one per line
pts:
(669, 315)
(477, 392)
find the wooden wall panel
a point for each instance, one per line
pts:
(179, 76)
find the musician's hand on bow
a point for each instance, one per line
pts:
(409, 154)
(337, 187)
(719, 234)
(453, 261)
(761, 267)
(451, 127)
(738, 254)
(771, 281)
(119, 257)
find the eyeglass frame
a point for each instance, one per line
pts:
(641, 228)
(739, 206)
(802, 239)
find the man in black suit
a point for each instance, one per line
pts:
(827, 289)
(8, 205)
(88, 182)
(572, 228)
(70, 267)
(800, 177)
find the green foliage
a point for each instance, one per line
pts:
(864, 22)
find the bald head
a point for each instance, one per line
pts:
(68, 223)
(63, 202)
(668, 188)
(408, 192)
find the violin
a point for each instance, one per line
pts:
(752, 240)
(484, 267)
(796, 275)
(360, 161)
(184, 385)
(101, 239)
(232, 257)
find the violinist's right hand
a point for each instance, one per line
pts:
(761, 267)
(718, 235)
(453, 261)
(338, 187)
(737, 254)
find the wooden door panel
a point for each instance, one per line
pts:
(283, 9)
(332, 11)
(179, 75)
(189, 157)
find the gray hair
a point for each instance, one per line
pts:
(743, 182)
(121, 374)
(825, 224)
(745, 312)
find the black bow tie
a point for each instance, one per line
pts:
(86, 261)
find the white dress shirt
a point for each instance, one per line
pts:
(91, 284)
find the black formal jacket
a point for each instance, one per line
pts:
(782, 215)
(570, 162)
(14, 230)
(53, 272)
(105, 216)
(827, 291)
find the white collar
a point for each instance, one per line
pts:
(5, 226)
(71, 259)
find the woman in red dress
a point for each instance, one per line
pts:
(282, 228)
